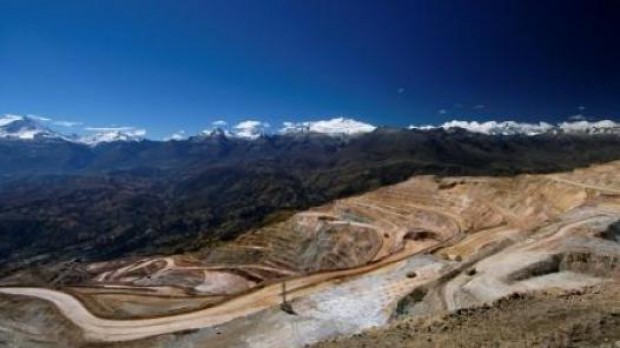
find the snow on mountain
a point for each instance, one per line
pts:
(177, 136)
(24, 128)
(6, 119)
(217, 132)
(604, 126)
(250, 130)
(219, 129)
(111, 134)
(31, 128)
(512, 127)
(335, 126)
(494, 127)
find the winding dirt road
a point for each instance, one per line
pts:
(107, 330)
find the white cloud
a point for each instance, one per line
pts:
(67, 123)
(251, 124)
(139, 132)
(39, 118)
(585, 125)
(250, 129)
(334, 126)
(219, 123)
(442, 111)
(55, 122)
(9, 118)
(109, 129)
(131, 131)
(494, 127)
(400, 90)
(178, 135)
(581, 108)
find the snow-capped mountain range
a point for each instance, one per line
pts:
(108, 135)
(335, 126)
(16, 127)
(341, 126)
(253, 129)
(512, 127)
(250, 130)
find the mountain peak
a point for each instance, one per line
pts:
(24, 128)
(107, 135)
(217, 132)
(253, 129)
(334, 126)
(249, 129)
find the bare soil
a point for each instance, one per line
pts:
(588, 318)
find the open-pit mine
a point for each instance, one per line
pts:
(422, 248)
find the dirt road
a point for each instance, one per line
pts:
(98, 329)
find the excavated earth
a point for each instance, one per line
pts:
(585, 318)
(423, 257)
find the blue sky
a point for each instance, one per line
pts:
(171, 65)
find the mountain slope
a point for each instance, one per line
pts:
(25, 128)
(128, 198)
(442, 249)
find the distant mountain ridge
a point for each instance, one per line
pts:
(16, 127)
(27, 147)
(252, 129)
(513, 128)
(108, 135)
